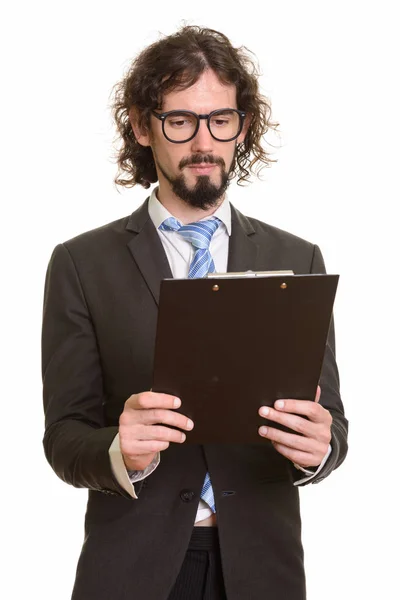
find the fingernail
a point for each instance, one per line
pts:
(189, 424)
(279, 404)
(264, 411)
(263, 430)
(177, 402)
(183, 437)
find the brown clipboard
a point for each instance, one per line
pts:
(226, 346)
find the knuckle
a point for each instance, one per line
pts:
(158, 415)
(129, 438)
(129, 448)
(153, 445)
(324, 433)
(289, 453)
(160, 432)
(156, 445)
(124, 419)
(326, 438)
(306, 444)
(144, 399)
(302, 444)
(318, 450)
(301, 425)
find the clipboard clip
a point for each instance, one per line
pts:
(241, 274)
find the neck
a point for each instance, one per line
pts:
(181, 210)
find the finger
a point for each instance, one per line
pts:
(313, 410)
(141, 448)
(154, 416)
(318, 394)
(160, 433)
(298, 424)
(298, 442)
(303, 459)
(146, 400)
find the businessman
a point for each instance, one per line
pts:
(168, 520)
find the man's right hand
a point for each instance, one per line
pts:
(140, 434)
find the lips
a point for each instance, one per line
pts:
(202, 168)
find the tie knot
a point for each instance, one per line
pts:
(199, 234)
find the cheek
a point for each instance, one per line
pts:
(167, 155)
(228, 156)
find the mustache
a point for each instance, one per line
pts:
(197, 159)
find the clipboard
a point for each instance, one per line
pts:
(228, 345)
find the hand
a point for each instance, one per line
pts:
(140, 436)
(308, 449)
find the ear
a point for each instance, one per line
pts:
(142, 135)
(246, 125)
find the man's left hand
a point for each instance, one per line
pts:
(309, 448)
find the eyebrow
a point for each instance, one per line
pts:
(222, 109)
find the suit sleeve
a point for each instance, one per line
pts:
(330, 393)
(76, 440)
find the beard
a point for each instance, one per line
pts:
(205, 194)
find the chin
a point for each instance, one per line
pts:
(214, 179)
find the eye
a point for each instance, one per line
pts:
(223, 119)
(178, 122)
(220, 122)
(182, 121)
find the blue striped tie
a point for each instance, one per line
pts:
(199, 234)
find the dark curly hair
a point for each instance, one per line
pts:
(177, 61)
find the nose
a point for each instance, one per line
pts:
(203, 140)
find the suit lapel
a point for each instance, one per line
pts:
(147, 250)
(149, 255)
(243, 252)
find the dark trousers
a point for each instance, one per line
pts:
(200, 577)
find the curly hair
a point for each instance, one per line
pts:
(177, 61)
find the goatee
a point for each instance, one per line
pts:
(205, 194)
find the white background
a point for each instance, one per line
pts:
(331, 70)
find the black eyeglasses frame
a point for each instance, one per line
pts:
(162, 117)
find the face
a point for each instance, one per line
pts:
(196, 171)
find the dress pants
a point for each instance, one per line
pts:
(200, 577)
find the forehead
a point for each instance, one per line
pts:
(207, 94)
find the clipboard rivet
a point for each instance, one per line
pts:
(283, 286)
(215, 288)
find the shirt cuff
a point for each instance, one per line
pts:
(311, 474)
(126, 478)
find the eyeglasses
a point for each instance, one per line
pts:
(179, 126)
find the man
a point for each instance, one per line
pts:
(166, 520)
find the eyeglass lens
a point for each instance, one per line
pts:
(181, 126)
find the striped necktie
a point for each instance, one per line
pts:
(199, 234)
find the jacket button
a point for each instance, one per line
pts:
(187, 495)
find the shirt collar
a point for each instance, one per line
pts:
(158, 213)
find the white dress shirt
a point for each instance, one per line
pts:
(180, 254)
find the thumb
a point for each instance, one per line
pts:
(318, 394)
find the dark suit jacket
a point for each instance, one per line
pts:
(100, 312)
